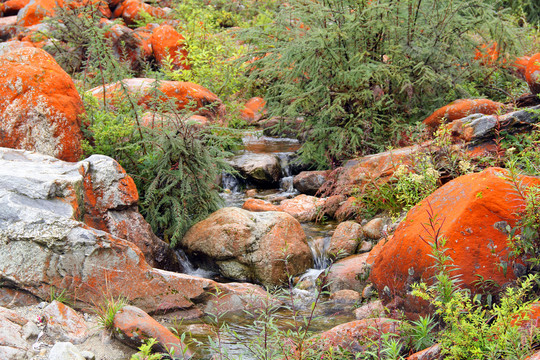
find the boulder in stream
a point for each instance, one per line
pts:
(45, 247)
(260, 169)
(250, 246)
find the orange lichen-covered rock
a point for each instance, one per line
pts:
(65, 323)
(37, 10)
(100, 5)
(39, 105)
(532, 73)
(462, 108)
(472, 213)
(168, 43)
(12, 7)
(520, 65)
(178, 94)
(302, 207)
(357, 336)
(257, 205)
(253, 110)
(134, 326)
(130, 11)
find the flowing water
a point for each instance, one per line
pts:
(234, 332)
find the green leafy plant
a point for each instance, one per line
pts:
(145, 351)
(106, 311)
(359, 72)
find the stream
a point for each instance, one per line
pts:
(238, 330)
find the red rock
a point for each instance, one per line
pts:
(350, 273)
(346, 297)
(431, 353)
(127, 45)
(130, 10)
(473, 211)
(13, 297)
(64, 323)
(532, 73)
(374, 228)
(462, 108)
(302, 207)
(12, 7)
(345, 239)
(92, 5)
(369, 310)
(372, 169)
(253, 110)
(357, 336)
(348, 209)
(168, 43)
(134, 326)
(259, 205)
(179, 94)
(39, 105)
(37, 10)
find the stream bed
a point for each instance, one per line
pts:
(235, 334)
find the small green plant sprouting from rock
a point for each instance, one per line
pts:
(107, 310)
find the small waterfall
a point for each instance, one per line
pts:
(285, 163)
(286, 185)
(319, 249)
(231, 183)
(190, 269)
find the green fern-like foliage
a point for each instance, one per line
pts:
(182, 167)
(358, 72)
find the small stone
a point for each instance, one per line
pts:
(368, 291)
(373, 229)
(365, 247)
(30, 330)
(251, 192)
(88, 355)
(65, 351)
(369, 310)
(346, 297)
(64, 323)
(42, 304)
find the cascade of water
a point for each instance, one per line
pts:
(285, 163)
(286, 184)
(231, 183)
(189, 268)
(319, 249)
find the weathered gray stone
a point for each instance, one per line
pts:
(44, 248)
(65, 351)
(64, 323)
(260, 169)
(309, 182)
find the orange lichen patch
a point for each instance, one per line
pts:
(39, 105)
(520, 65)
(472, 213)
(130, 11)
(487, 54)
(12, 7)
(483, 150)
(462, 108)
(169, 43)
(101, 5)
(358, 335)
(138, 326)
(253, 109)
(258, 205)
(176, 93)
(532, 73)
(36, 11)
